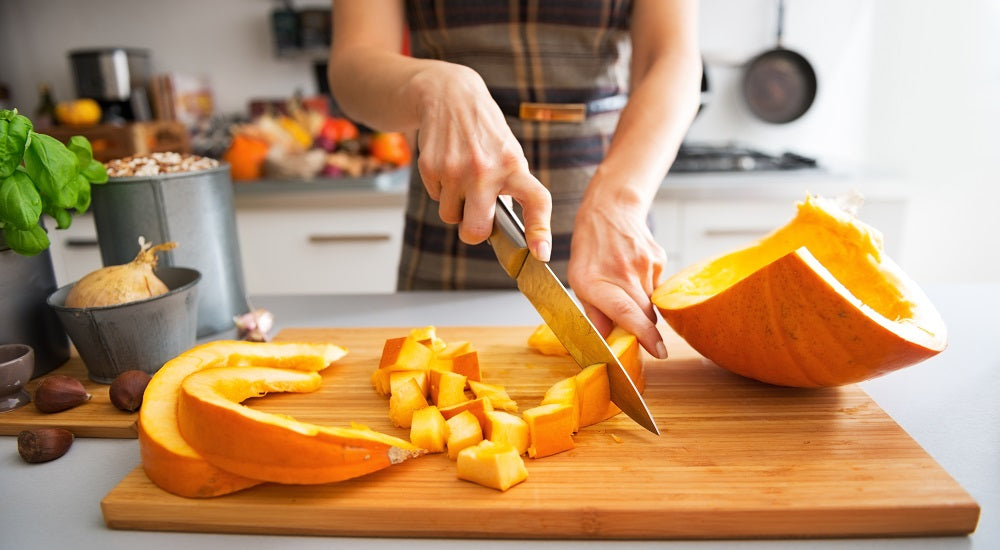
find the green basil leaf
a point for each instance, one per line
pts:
(14, 132)
(53, 168)
(62, 216)
(95, 172)
(83, 193)
(26, 242)
(20, 204)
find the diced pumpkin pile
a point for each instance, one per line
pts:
(436, 390)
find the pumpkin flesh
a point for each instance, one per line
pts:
(815, 303)
(272, 447)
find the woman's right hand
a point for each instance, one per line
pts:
(468, 156)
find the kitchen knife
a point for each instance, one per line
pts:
(562, 314)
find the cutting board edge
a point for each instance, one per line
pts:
(959, 518)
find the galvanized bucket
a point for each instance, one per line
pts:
(195, 209)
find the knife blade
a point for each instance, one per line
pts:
(562, 314)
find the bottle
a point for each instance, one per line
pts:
(45, 112)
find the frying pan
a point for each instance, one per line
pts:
(779, 84)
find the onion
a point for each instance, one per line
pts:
(121, 284)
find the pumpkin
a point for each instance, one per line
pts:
(272, 447)
(495, 465)
(168, 460)
(815, 303)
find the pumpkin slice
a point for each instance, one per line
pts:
(815, 303)
(272, 447)
(550, 429)
(168, 460)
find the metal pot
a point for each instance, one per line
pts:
(779, 84)
(195, 209)
(109, 74)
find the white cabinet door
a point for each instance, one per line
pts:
(320, 250)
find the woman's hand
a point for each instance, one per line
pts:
(469, 156)
(615, 264)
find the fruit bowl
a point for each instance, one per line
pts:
(141, 335)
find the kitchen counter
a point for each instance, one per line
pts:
(389, 188)
(948, 404)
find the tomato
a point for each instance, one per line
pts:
(390, 147)
(336, 130)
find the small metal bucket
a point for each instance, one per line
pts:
(195, 209)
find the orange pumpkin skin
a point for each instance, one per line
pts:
(168, 460)
(272, 447)
(807, 335)
(815, 303)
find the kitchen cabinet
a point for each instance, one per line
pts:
(320, 250)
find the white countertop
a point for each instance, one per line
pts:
(948, 404)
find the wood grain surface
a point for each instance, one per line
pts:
(95, 418)
(737, 459)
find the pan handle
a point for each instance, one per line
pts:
(781, 22)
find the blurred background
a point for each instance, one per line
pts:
(907, 93)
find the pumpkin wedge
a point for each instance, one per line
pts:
(167, 459)
(272, 447)
(815, 303)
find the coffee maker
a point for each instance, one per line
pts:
(117, 78)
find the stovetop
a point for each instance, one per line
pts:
(735, 158)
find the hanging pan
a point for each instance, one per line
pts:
(779, 85)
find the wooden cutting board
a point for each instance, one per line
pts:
(736, 459)
(95, 418)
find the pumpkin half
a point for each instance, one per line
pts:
(815, 303)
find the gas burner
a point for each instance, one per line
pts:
(735, 158)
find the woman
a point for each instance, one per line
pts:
(574, 109)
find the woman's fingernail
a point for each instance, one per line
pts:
(661, 350)
(543, 251)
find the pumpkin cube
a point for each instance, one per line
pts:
(550, 429)
(467, 364)
(447, 388)
(503, 427)
(401, 376)
(544, 341)
(406, 399)
(454, 349)
(479, 407)
(497, 394)
(429, 430)
(463, 431)
(564, 392)
(594, 395)
(405, 354)
(495, 465)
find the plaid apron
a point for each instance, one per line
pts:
(552, 51)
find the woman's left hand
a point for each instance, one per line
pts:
(615, 264)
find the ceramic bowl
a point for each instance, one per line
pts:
(139, 335)
(17, 362)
